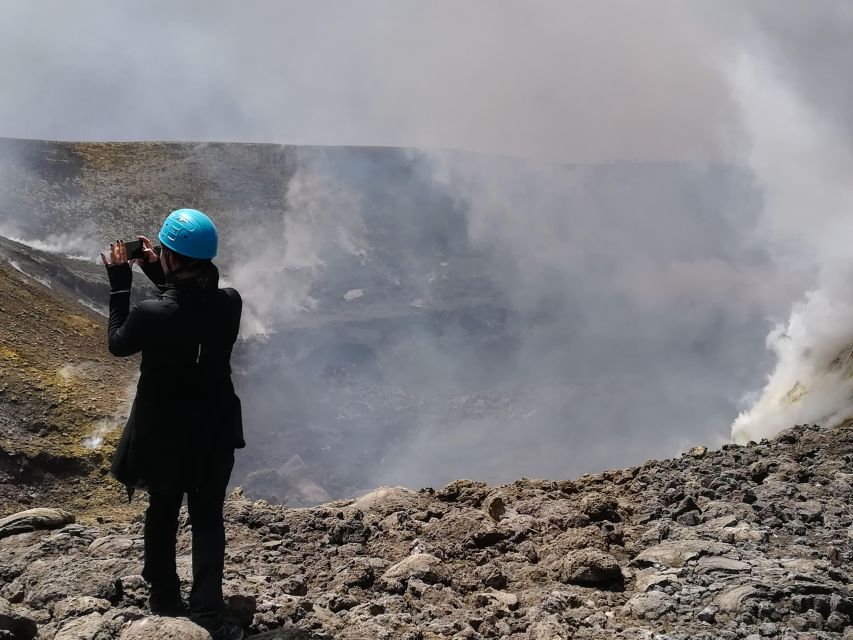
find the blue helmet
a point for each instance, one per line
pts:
(190, 233)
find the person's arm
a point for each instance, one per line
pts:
(126, 329)
(150, 262)
(236, 311)
(154, 271)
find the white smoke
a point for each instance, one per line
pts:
(804, 164)
(76, 247)
(98, 431)
(278, 262)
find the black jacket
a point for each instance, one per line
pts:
(185, 417)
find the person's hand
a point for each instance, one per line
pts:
(148, 253)
(118, 254)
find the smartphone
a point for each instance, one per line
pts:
(134, 249)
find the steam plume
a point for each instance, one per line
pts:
(801, 155)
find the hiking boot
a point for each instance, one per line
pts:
(226, 631)
(176, 609)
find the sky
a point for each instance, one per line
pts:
(760, 85)
(572, 81)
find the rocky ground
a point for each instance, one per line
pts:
(750, 541)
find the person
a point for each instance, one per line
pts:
(185, 422)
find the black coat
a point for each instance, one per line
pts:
(186, 417)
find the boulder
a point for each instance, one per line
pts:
(57, 582)
(466, 492)
(501, 599)
(648, 580)
(33, 520)
(78, 606)
(649, 606)
(733, 600)
(559, 514)
(717, 564)
(110, 545)
(676, 553)
(492, 576)
(93, 626)
(352, 531)
(385, 501)
(495, 506)
(574, 539)
(157, 628)
(19, 624)
(420, 566)
(598, 506)
(465, 527)
(591, 568)
(550, 629)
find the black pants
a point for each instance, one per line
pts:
(208, 554)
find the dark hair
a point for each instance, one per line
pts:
(178, 257)
(197, 273)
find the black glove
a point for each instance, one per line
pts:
(120, 277)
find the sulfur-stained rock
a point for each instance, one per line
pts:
(697, 452)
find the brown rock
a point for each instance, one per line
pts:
(157, 628)
(591, 568)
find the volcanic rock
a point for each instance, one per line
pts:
(650, 606)
(591, 568)
(421, 566)
(156, 628)
(675, 553)
(429, 565)
(17, 623)
(34, 519)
